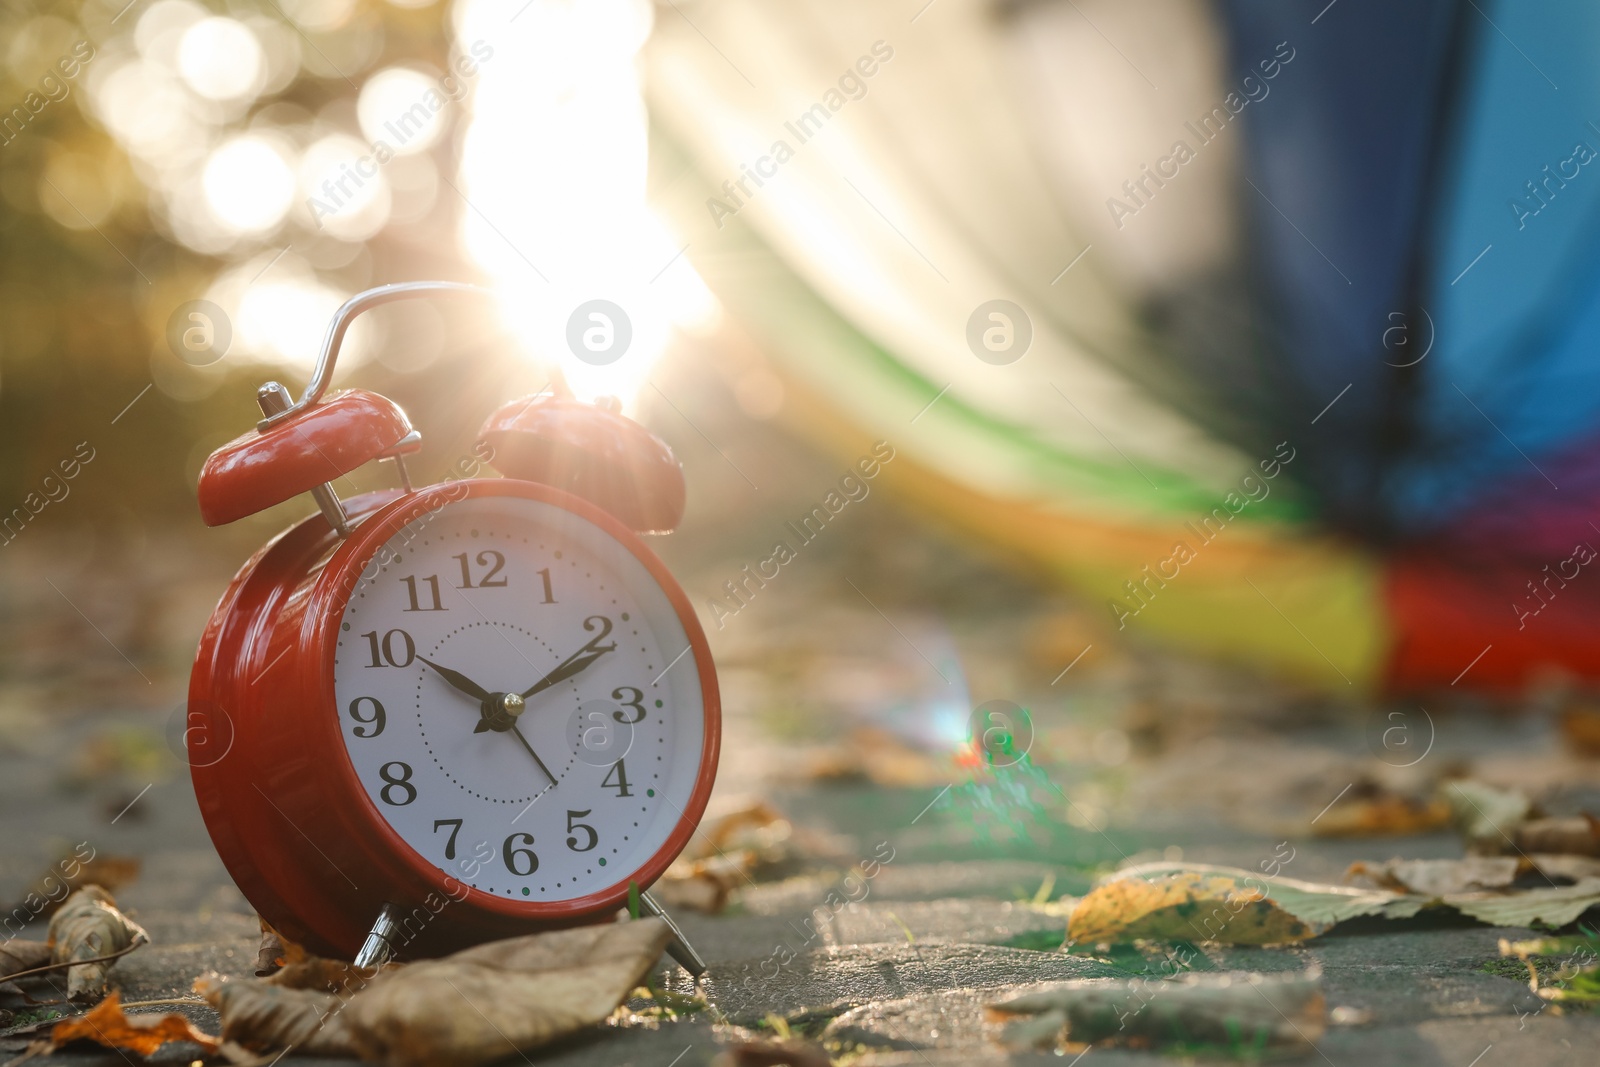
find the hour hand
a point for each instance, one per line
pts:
(459, 681)
(580, 660)
(574, 666)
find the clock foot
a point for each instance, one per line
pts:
(679, 948)
(379, 947)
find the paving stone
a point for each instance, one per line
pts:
(949, 1028)
(1404, 976)
(1003, 879)
(730, 938)
(1544, 1039)
(847, 978)
(683, 1043)
(972, 920)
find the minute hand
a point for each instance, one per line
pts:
(580, 660)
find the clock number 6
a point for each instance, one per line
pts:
(636, 703)
(400, 780)
(510, 855)
(573, 826)
(387, 650)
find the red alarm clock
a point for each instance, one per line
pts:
(427, 718)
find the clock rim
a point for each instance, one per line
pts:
(326, 603)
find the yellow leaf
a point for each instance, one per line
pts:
(1197, 902)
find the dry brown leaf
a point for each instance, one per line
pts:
(260, 1015)
(1580, 725)
(272, 953)
(142, 1034)
(1384, 814)
(1437, 877)
(757, 826)
(19, 955)
(1572, 868)
(472, 1007)
(301, 970)
(732, 850)
(89, 926)
(700, 885)
(1208, 1009)
(772, 1054)
(1577, 835)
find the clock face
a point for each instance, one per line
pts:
(519, 699)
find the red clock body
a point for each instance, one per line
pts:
(359, 735)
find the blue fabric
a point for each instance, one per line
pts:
(1338, 159)
(1518, 330)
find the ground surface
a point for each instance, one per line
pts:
(844, 713)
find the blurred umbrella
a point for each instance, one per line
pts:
(1311, 290)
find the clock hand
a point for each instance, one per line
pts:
(496, 711)
(535, 755)
(579, 661)
(459, 681)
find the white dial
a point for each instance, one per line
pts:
(517, 695)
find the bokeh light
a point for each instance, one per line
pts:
(221, 59)
(345, 187)
(248, 184)
(394, 107)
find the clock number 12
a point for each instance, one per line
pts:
(495, 561)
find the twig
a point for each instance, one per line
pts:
(196, 1001)
(138, 943)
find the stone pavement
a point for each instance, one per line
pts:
(838, 722)
(901, 977)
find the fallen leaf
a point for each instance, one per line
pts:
(1443, 879)
(700, 885)
(735, 849)
(142, 1034)
(1575, 835)
(18, 955)
(1486, 815)
(1438, 877)
(271, 953)
(1383, 814)
(301, 970)
(1580, 725)
(260, 1015)
(1234, 1010)
(772, 1054)
(1570, 868)
(1198, 902)
(1554, 906)
(89, 926)
(472, 1007)
(756, 826)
